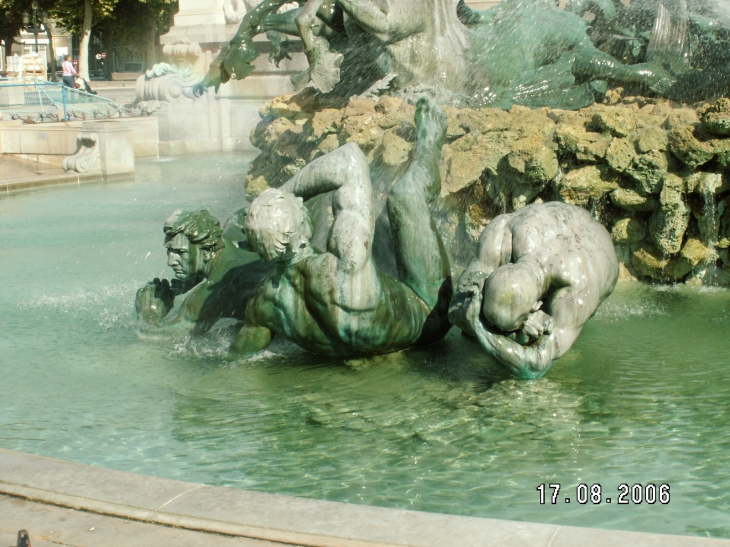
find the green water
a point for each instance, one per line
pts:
(643, 396)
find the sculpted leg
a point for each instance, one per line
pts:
(423, 263)
(593, 64)
(324, 64)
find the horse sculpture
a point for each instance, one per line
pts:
(527, 52)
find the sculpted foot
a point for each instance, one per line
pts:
(431, 124)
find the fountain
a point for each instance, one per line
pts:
(640, 397)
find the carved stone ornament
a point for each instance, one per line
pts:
(171, 82)
(87, 157)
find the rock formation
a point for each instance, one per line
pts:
(653, 172)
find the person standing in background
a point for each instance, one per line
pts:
(68, 72)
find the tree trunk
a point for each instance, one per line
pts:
(152, 41)
(51, 53)
(84, 45)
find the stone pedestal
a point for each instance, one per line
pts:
(221, 125)
(116, 146)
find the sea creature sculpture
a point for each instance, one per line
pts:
(527, 52)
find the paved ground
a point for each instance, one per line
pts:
(49, 525)
(20, 174)
(82, 505)
(120, 92)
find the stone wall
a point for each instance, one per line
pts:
(653, 172)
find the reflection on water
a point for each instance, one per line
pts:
(643, 396)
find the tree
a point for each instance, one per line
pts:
(138, 22)
(78, 16)
(11, 18)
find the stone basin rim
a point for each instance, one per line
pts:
(285, 519)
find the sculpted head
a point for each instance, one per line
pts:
(192, 239)
(511, 293)
(278, 226)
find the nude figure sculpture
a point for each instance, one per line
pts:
(338, 302)
(526, 52)
(215, 277)
(538, 276)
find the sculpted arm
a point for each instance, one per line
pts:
(493, 249)
(154, 303)
(344, 172)
(253, 337)
(569, 308)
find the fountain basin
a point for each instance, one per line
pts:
(641, 398)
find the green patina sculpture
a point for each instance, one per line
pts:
(338, 302)
(527, 52)
(216, 277)
(552, 257)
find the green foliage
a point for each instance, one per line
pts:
(11, 17)
(133, 21)
(70, 13)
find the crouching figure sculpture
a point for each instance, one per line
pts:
(216, 278)
(539, 275)
(338, 302)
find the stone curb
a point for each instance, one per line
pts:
(44, 182)
(285, 519)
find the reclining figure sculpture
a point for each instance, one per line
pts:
(526, 52)
(552, 257)
(338, 302)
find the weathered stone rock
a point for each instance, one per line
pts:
(363, 129)
(586, 146)
(628, 230)
(468, 157)
(476, 220)
(254, 186)
(617, 121)
(647, 170)
(497, 160)
(690, 150)
(716, 117)
(580, 186)
(325, 122)
(613, 96)
(395, 149)
(723, 212)
(652, 138)
(328, 144)
(358, 107)
(394, 112)
(648, 261)
(633, 201)
(620, 154)
(679, 117)
(705, 183)
(523, 173)
(533, 159)
(281, 107)
(268, 133)
(722, 151)
(669, 223)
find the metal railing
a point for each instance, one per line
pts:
(38, 101)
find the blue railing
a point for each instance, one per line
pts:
(39, 101)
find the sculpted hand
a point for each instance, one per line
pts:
(537, 324)
(154, 300)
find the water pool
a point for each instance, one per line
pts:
(643, 396)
